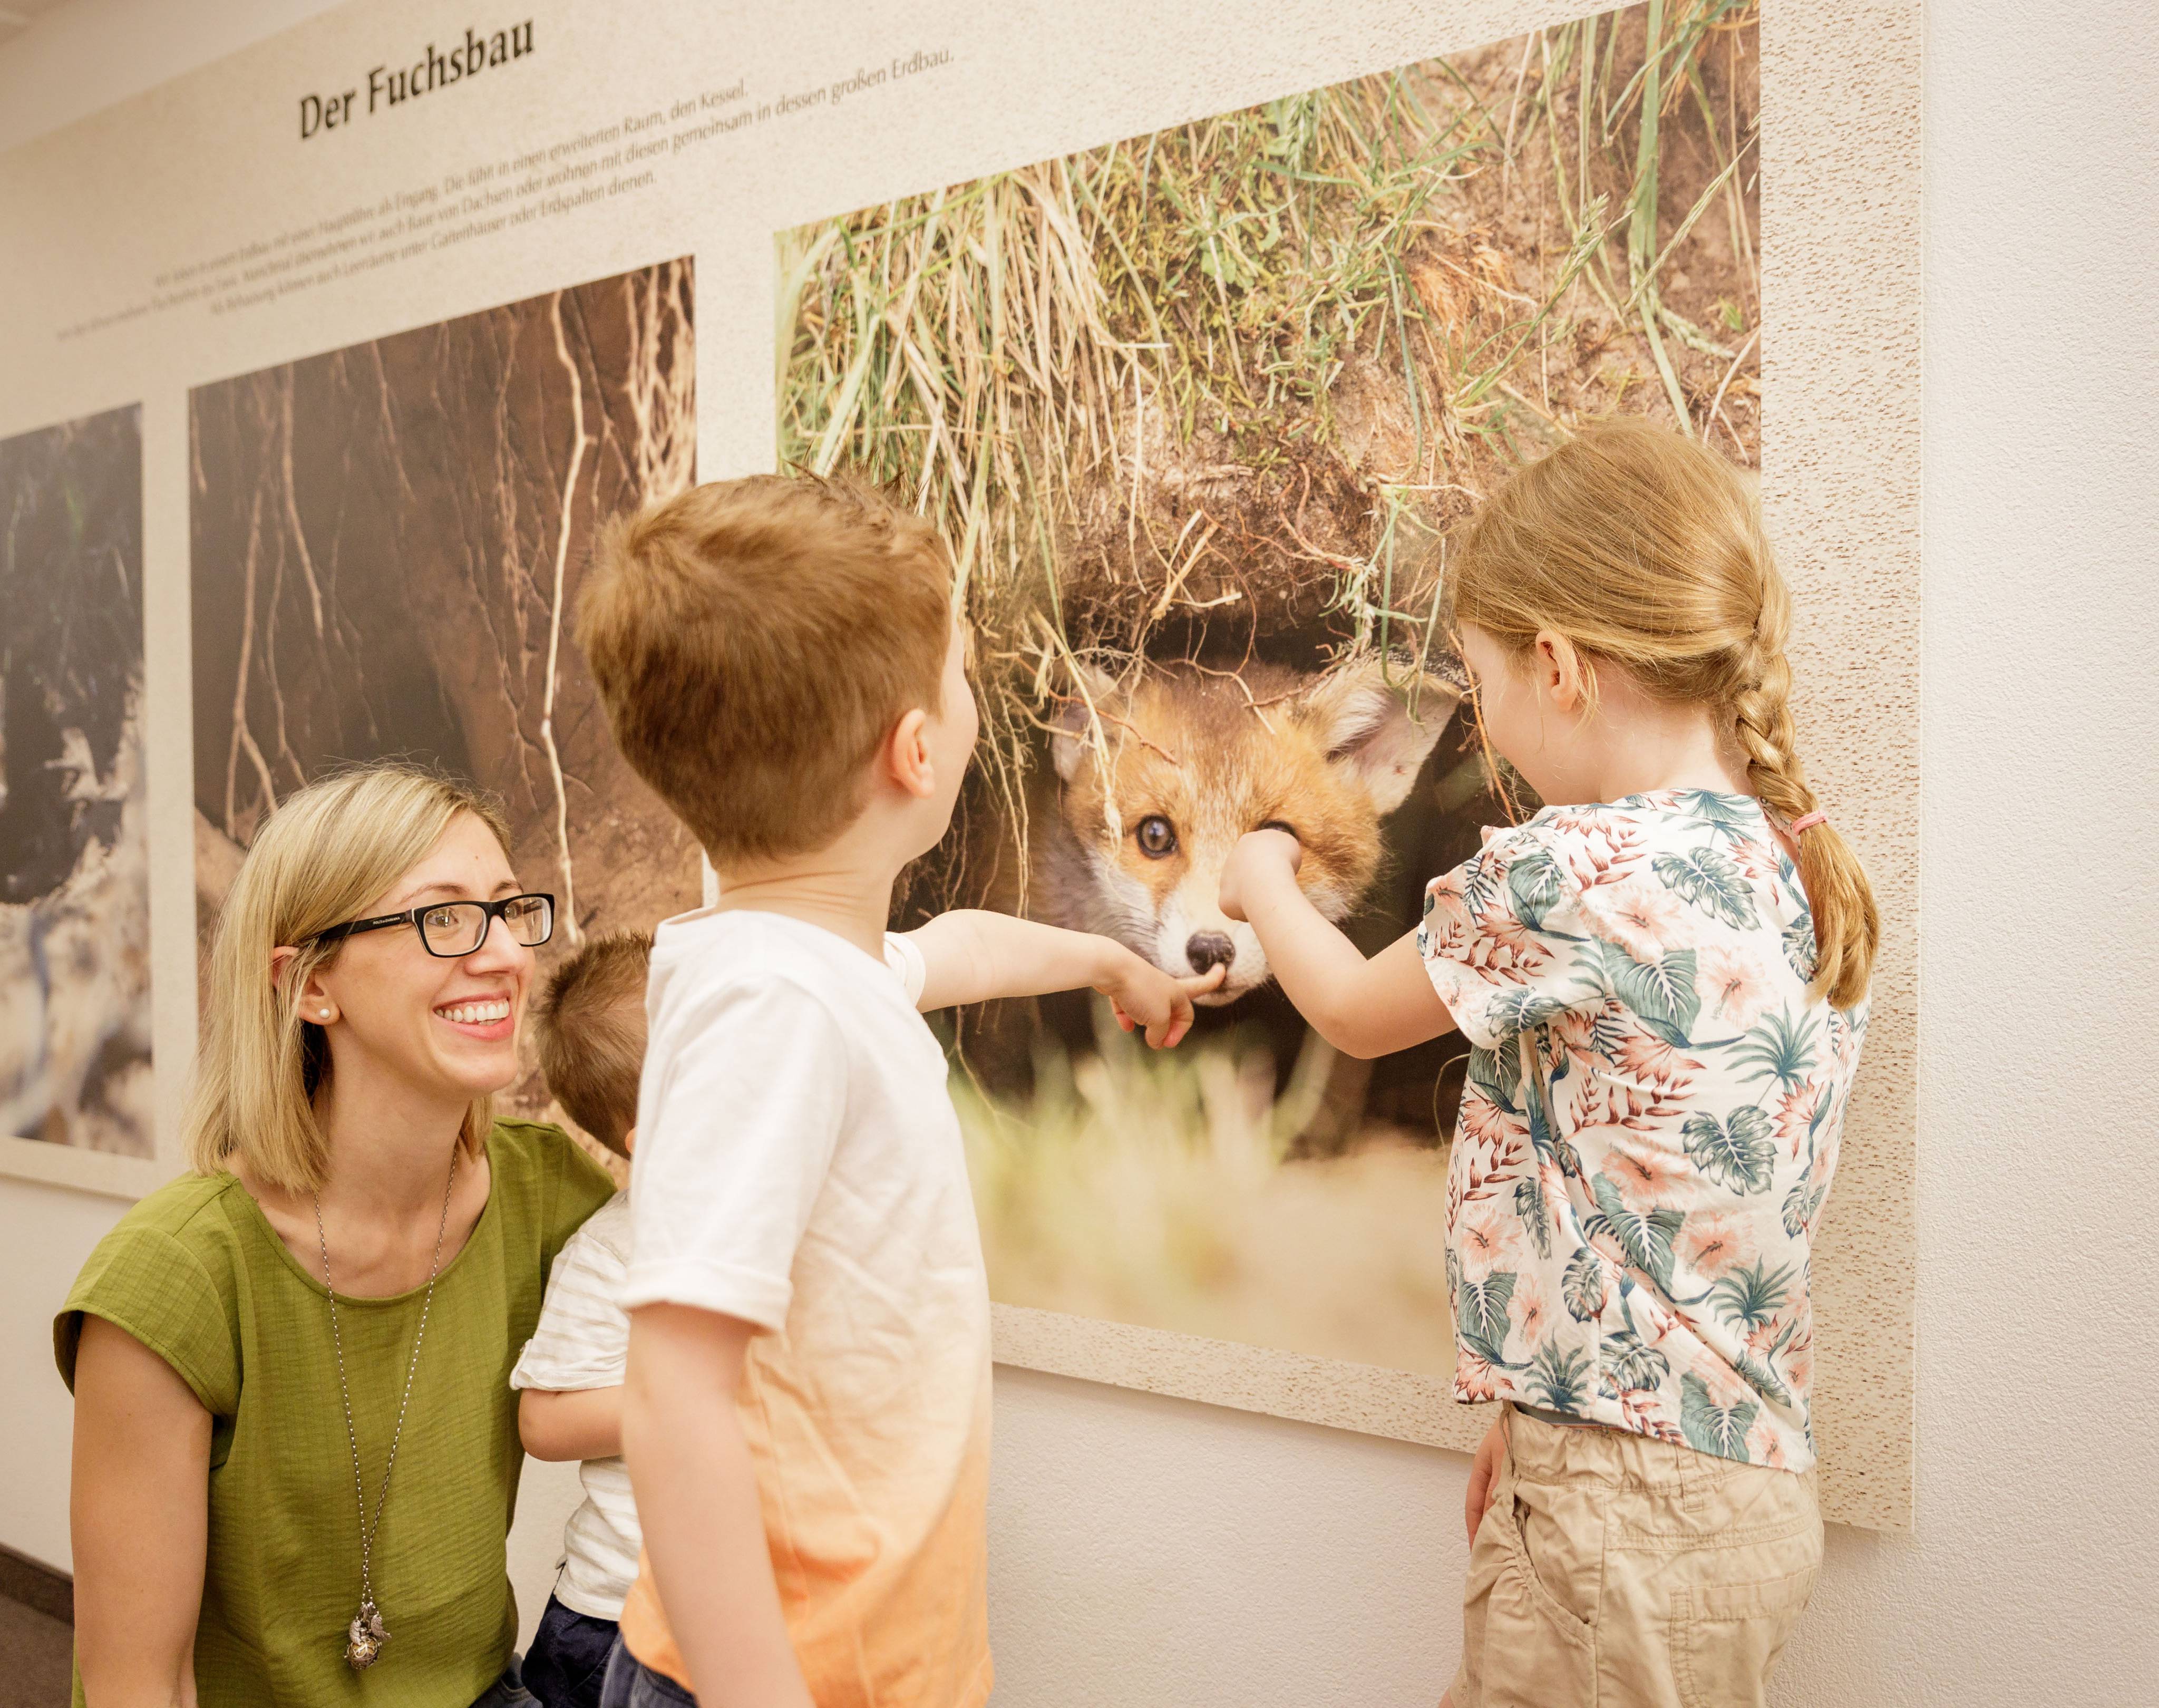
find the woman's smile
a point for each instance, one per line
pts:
(484, 1018)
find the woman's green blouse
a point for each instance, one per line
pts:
(197, 1275)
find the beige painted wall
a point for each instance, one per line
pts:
(1152, 1552)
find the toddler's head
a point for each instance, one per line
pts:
(590, 1021)
(776, 655)
(1644, 549)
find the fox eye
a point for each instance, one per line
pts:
(1158, 836)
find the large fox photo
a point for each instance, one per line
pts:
(1198, 413)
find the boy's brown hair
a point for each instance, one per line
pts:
(590, 1021)
(754, 641)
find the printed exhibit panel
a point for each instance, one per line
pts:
(74, 900)
(387, 543)
(1199, 330)
(1198, 412)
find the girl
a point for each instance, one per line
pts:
(295, 1449)
(1663, 977)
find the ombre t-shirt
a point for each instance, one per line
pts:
(799, 1165)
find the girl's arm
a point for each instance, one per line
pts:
(139, 1514)
(583, 1423)
(1362, 1007)
(696, 1486)
(970, 955)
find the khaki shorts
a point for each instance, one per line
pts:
(1611, 1570)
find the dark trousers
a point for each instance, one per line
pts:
(631, 1683)
(568, 1660)
(506, 1692)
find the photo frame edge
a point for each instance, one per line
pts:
(101, 1173)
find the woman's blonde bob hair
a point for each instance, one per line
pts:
(1645, 550)
(326, 853)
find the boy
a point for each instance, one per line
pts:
(807, 1408)
(590, 1023)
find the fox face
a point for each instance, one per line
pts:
(1158, 779)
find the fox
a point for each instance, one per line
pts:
(1154, 779)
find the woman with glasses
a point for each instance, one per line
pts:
(295, 1451)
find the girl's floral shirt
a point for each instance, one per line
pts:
(1650, 1123)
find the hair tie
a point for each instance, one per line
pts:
(1806, 821)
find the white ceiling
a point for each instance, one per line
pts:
(16, 16)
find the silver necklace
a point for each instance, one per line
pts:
(366, 1636)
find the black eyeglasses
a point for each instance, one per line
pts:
(451, 929)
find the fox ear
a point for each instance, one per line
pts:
(1068, 722)
(1364, 719)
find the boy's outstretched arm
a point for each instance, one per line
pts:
(970, 955)
(696, 1494)
(1362, 1007)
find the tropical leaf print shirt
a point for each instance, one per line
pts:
(1650, 1122)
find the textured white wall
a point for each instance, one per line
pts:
(86, 55)
(1147, 1551)
(2033, 1574)
(45, 1234)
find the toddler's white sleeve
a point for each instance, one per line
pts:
(747, 1086)
(583, 1337)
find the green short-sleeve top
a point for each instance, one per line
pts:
(197, 1274)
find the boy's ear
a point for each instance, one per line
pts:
(1069, 720)
(1369, 732)
(905, 756)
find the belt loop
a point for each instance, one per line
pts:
(1694, 1487)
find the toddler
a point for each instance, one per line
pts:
(590, 1024)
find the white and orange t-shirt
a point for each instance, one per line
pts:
(800, 1166)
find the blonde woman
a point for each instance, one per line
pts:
(296, 1450)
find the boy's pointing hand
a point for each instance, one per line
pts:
(1142, 996)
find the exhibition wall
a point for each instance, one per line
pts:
(1198, 367)
(1150, 1548)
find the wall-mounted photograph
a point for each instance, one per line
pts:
(75, 896)
(1197, 413)
(386, 544)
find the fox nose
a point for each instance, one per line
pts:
(1208, 949)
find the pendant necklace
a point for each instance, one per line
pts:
(366, 1636)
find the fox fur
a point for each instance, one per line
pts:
(1156, 778)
